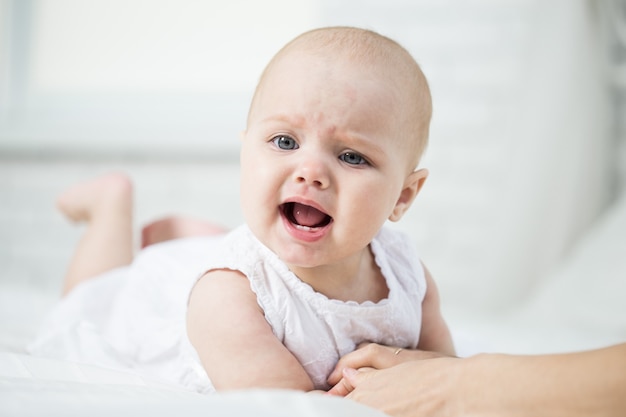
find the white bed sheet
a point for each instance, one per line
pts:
(32, 386)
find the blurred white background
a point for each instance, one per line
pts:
(527, 154)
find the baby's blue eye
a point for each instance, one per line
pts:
(352, 158)
(285, 142)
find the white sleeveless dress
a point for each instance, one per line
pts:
(133, 318)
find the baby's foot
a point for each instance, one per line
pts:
(177, 227)
(80, 202)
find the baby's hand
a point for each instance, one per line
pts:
(345, 384)
(367, 355)
(375, 356)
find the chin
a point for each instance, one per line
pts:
(301, 257)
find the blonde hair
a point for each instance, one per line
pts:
(372, 49)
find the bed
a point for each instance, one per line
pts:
(34, 386)
(37, 387)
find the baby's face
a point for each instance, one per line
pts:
(322, 163)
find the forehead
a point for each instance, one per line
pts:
(303, 83)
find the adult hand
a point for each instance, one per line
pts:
(411, 389)
(573, 384)
(375, 356)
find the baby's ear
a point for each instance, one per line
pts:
(412, 186)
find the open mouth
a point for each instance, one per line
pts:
(305, 217)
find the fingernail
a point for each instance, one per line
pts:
(349, 372)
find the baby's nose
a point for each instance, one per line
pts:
(313, 172)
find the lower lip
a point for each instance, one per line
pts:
(311, 235)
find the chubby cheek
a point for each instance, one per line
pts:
(245, 196)
(247, 187)
(373, 208)
(259, 191)
(252, 196)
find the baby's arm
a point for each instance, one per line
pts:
(435, 335)
(234, 341)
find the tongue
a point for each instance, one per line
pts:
(307, 215)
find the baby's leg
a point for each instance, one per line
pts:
(105, 204)
(176, 227)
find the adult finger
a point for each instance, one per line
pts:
(375, 356)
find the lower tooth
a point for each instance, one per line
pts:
(305, 228)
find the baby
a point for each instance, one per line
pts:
(334, 135)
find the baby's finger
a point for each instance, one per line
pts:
(370, 355)
(344, 386)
